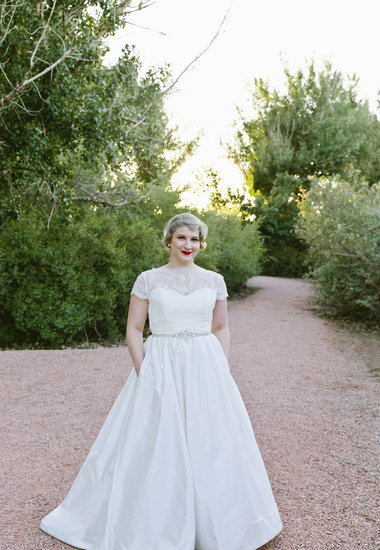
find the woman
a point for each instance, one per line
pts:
(175, 465)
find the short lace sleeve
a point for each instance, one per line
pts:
(139, 288)
(221, 289)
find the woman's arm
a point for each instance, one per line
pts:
(219, 325)
(138, 311)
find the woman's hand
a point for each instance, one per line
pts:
(219, 325)
(137, 314)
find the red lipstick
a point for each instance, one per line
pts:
(186, 253)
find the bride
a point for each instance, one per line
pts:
(176, 465)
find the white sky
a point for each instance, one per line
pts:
(254, 38)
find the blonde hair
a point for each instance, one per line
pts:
(185, 220)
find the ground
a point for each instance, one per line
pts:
(311, 388)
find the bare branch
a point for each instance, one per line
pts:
(29, 79)
(5, 75)
(145, 28)
(43, 34)
(176, 80)
(173, 84)
(12, 9)
(141, 6)
(140, 121)
(51, 212)
(121, 8)
(104, 200)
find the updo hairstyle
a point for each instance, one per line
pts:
(185, 220)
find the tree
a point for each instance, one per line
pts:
(340, 222)
(317, 127)
(72, 129)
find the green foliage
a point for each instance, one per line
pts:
(280, 250)
(84, 175)
(318, 127)
(82, 131)
(341, 225)
(276, 215)
(233, 248)
(73, 281)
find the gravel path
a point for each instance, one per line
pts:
(307, 386)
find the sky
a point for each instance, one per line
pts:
(256, 38)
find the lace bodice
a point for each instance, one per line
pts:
(180, 299)
(182, 280)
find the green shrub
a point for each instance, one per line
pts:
(341, 224)
(72, 282)
(284, 257)
(139, 248)
(233, 249)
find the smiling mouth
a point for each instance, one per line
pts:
(186, 253)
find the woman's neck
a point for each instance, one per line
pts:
(176, 265)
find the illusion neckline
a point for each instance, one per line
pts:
(183, 268)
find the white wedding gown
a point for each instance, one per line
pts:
(175, 465)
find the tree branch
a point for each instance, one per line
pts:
(3, 13)
(105, 201)
(145, 28)
(176, 80)
(29, 79)
(42, 34)
(120, 9)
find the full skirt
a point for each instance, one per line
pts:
(175, 466)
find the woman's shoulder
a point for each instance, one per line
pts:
(156, 275)
(179, 278)
(146, 272)
(213, 278)
(213, 274)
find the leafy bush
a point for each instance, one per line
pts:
(341, 224)
(233, 249)
(73, 281)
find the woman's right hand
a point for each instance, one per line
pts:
(137, 314)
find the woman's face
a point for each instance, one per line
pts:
(185, 244)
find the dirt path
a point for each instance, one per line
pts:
(308, 389)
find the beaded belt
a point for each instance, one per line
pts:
(185, 334)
